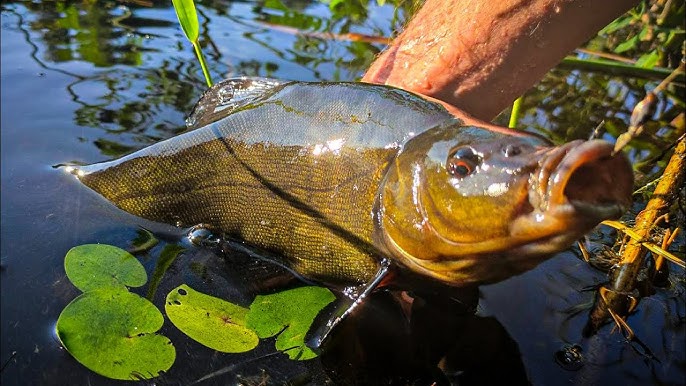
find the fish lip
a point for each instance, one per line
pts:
(581, 182)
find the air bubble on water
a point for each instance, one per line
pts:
(570, 357)
(353, 292)
(200, 235)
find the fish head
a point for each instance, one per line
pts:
(468, 205)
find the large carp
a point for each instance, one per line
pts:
(336, 177)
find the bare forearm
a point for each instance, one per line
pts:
(479, 55)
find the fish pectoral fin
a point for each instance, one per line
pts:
(346, 306)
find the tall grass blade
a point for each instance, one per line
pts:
(188, 18)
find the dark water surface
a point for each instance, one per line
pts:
(89, 81)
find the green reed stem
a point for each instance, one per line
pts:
(203, 64)
(514, 115)
(616, 68)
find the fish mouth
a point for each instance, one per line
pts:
(576, 186)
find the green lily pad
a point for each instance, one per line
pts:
(290, 314)
(92, 266)
(210, 321)
(111, 331)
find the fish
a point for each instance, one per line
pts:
(341, 179)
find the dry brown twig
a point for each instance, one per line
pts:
(612, 299)
(658, 251)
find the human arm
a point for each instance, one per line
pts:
(480, 55)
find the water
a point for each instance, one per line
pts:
(84, 82)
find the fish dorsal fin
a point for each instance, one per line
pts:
(227, 96)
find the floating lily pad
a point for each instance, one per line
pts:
(210, 321)
(92, 266)
(111, 331)
(289, 313)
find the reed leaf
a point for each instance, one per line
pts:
(188, 18)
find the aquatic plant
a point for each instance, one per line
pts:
(188, 18)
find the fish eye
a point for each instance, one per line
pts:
(462, 162)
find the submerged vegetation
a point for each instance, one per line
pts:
(649, 37)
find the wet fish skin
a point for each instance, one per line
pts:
(335, 176)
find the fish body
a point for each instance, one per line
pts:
(334, 177)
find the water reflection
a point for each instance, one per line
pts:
(92, 32)
(569, 105)
(134, 91)
(423, 339)
(129, 104)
